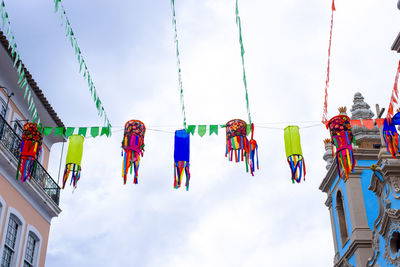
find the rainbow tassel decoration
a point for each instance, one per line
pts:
(237, 145)
(133, 148)
(30, 149)
(74, 159)
(390, 134)
(294, 153)
(253, 152)
(181, 158)
(342, 139)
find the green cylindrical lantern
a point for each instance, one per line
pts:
(74, 159)
(294, 154)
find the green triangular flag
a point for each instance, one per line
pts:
(82, 131)
(47, 131)
(191, 129)
(105, 131)
(69, 131)
(213, 129)
(248, 129)
(59, 131)
(94, 131)
(202, 129)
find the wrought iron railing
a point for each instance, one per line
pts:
(10, 139)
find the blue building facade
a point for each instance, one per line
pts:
(365, 209)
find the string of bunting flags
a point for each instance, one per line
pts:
(238, 147)
(22, 79)
(82, 63)
(395, 93)
(69, 131)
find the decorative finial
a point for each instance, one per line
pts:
(342, 111)
(360, 109)
(327, 141)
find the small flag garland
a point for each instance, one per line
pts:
(325, 112)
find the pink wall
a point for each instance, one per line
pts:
(31, 216)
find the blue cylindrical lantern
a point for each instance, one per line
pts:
(181, 158)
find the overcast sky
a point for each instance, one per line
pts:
(227, 218)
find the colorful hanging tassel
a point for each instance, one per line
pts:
(294, 153)
(237, 145)
(133, 148)
(30, 149)
(390, 134)
(181, 158)
(342, 139)
(74, 159)
(253, 151)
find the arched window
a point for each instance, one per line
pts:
(12, 239)
(344, 234)
(32, 247)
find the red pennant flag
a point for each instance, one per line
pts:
(368, 123)
(355, 122)
(379, 122)
(333, 5)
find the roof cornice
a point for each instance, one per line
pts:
(35, 88)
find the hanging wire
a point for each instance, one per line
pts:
(59, 168)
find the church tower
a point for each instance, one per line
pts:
(349, 200)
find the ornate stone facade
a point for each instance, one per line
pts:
(365, 209)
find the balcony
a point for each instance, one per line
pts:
(11, 141)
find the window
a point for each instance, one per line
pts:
(10, 242)
(30, 250)
(10, 249)
(344, 236)
(3, 107)
(18, 129)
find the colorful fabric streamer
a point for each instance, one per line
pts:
(30, 149)
(74, 159)
(181, 158)
(294, 153)
(253, 152)
(237, 145)
(390, 134)
(133, 148)
(342, 139)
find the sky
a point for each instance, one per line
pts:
(227, 218)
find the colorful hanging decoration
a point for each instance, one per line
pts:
(74, 159)
(390, 134)
(253, 151)
(237, 145)
(342, 139)
(30, 148)
(294, 153)
(181, 158)
(133, 147)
